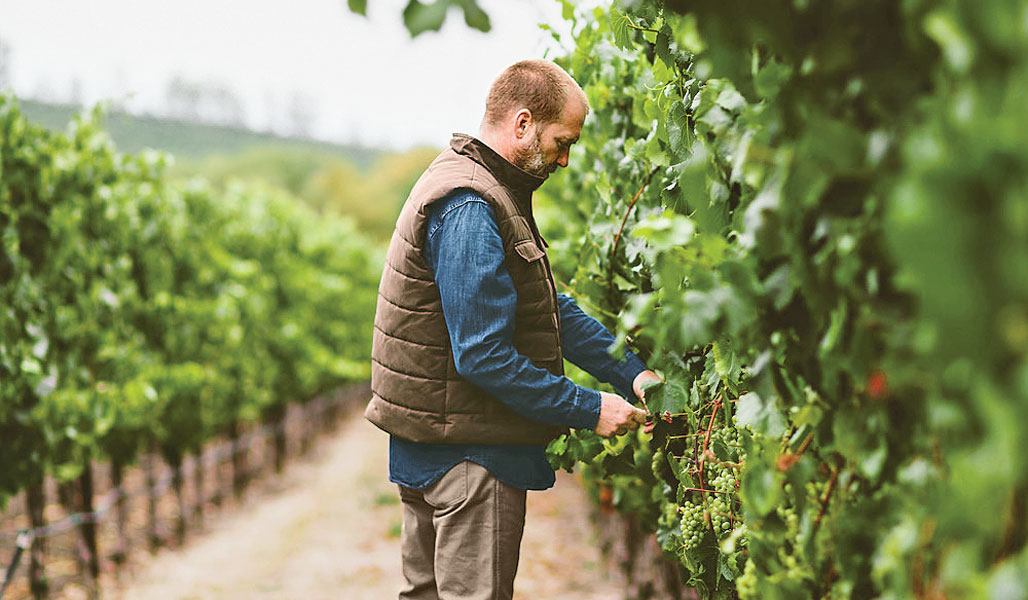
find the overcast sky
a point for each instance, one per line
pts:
(363, 78)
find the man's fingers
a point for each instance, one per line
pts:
(633, 421)
(623, 417)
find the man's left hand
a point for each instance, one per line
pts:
(637, 387)
(640, 380)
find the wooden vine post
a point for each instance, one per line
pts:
(91, 555)
(35, 498)
(198, 487)
(120, 512)
(238, 460)
(150, 470)
(180, 500)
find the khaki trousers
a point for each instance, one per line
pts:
(461, 537)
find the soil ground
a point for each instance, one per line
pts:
(330, 530)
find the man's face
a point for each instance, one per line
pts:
(543, 152)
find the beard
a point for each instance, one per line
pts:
(531, 159)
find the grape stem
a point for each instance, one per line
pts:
(729, 465)
(827, 497)
(684, 436)
(689, 489)
(806, 442)
(640, 28)
(701, 457)
(621, 229)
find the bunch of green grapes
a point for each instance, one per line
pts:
(720, 514)
(791, 520)
(746, 584)
(722, 479)
(692, 525)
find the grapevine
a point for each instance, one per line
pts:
(141, 313)
(772, 205)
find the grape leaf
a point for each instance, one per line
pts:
(753, 411)
(620, 27)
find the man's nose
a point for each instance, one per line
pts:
(562, 160)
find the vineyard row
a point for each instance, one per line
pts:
(141, 313)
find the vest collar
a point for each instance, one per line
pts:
(507, 174)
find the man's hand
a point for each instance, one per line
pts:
(640, 381)
(617, 416)
(639, 385)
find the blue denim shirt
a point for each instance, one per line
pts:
(465, 251)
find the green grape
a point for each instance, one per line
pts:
(746, 584)
(791, 519)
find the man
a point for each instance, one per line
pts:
(470, 338)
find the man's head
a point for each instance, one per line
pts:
(533, 114)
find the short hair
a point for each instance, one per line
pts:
(539, 85)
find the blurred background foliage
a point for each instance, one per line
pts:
(367, 184)
(144, 310)
(370, 195)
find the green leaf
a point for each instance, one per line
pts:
(620, 28)
(665, 231)
(721, 451)
(770, 79)
(358, 6)
(753, 411)
(662, 46)
(727, 364)
(761, 493)
(559, 445)
(680, 467)
(567, 10)
(670, 397)
(618, 464)
(728, 566)
(474, 16)
(687, 35)
(419, 17)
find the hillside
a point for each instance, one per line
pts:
(193, 140)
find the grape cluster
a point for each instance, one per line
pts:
(791, 520)
(693, 525)
(710, 515)
(722, 480)
(713, 509)
(746, 584)
(719, 515)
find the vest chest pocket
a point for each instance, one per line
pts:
(532, 275)
(528, 250)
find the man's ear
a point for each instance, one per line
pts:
(522, 122)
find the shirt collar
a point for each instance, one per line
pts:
(507, 174)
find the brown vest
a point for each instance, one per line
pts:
(417, 393)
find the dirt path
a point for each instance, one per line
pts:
(332, 532)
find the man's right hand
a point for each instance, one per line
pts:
(617, 416)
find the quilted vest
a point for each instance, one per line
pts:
(417, 393)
